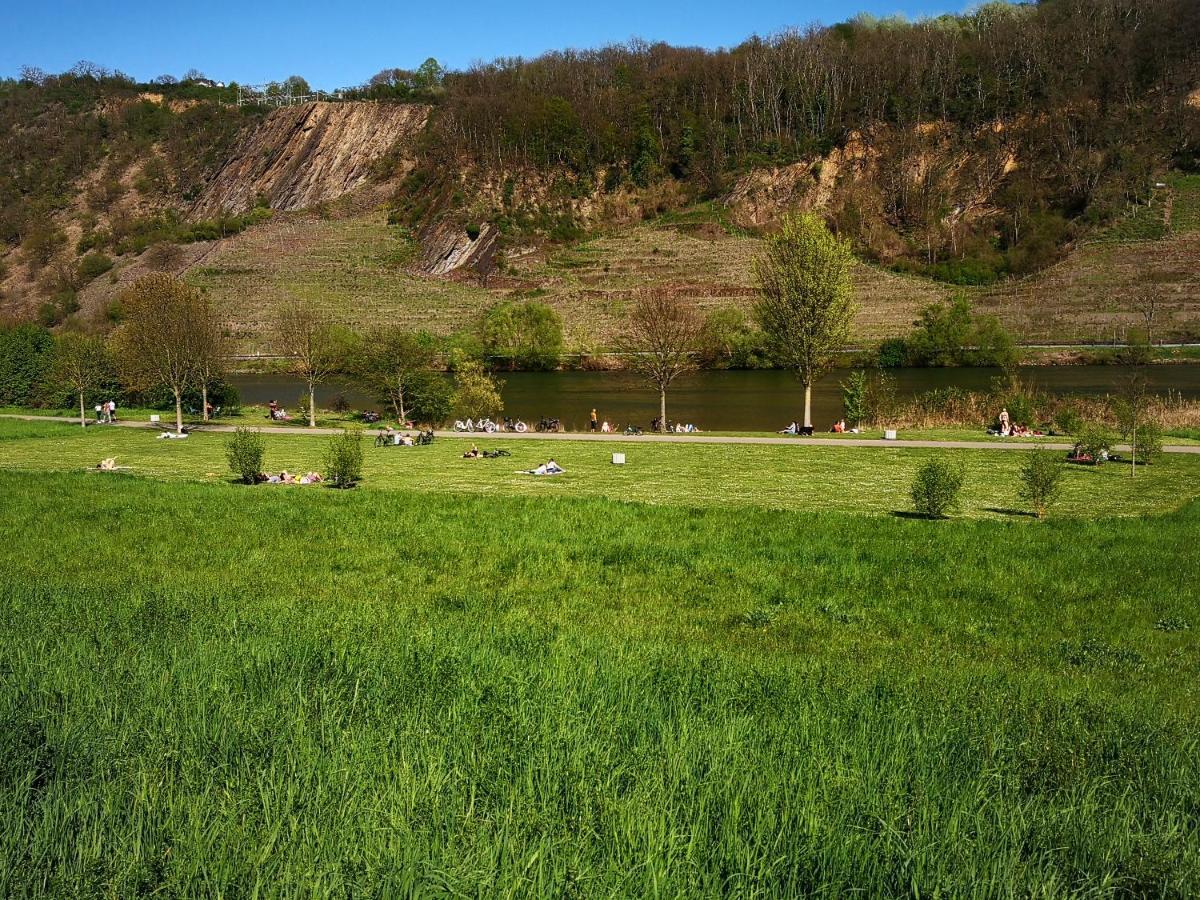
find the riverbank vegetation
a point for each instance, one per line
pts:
(364, 692)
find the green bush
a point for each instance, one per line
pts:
(855, 397)
(1041, 480)
(936, 487)
(93, 266)
(528, 335)
(245, 451)
(1068, 420)
(1094, 439)
(892, 354)
(344, 459)
(1148, 441)
(25, 355)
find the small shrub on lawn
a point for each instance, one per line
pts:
(1094, 439)
(344, 459)
(1041, 480)
(245, 450)
(936, 487)
(1148, 442)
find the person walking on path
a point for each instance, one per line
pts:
(592, 425)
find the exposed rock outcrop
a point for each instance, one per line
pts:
(301, 156)
(446, 248)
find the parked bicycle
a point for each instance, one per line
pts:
(549, 425)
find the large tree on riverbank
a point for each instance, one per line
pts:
(806, 303)
(157, 344)
(660, 341)
(396, 365)
(81, 364)
(312, 345)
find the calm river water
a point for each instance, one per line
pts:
(727, 401)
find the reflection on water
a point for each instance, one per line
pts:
(727, 401)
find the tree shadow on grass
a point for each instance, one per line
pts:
(1022, 513)
(909, 514)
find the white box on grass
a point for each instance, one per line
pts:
(154, 417)
(618, 459)
(890, 434)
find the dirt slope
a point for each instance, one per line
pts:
(302, 156)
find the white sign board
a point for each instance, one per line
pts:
(618, 459)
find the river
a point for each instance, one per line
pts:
(727, 401)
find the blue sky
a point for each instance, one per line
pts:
(336, 44)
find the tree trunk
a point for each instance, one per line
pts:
(312, 406)
(178, 411)
(82, 414)
(204, 400)
(662, 410)
(807, 405)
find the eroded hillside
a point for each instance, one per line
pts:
(301, 156)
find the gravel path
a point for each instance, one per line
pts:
(652, 438)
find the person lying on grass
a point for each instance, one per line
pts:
(549, 467)
(286, 477)
(473, 453)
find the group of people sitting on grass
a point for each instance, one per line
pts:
(389, 435)
(286, 477)
(672, 427)
(1005, 427)
(277, 414)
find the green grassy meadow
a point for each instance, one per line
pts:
(725, 673)
(787, 477)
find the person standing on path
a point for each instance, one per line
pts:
(112, 411)
(593, 424)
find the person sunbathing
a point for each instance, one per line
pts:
(549, 467)
(839, 427)
(473, 453)
(791, 429)
(107, 465)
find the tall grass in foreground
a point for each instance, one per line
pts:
(216, 691)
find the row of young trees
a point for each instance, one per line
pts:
(805, 310)
(170, 338)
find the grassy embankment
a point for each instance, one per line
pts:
(211, 689)
(793, 477)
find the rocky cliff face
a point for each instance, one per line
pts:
(305, 155)
(446, 248)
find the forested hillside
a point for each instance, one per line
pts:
(1012, 150)
(968, 146)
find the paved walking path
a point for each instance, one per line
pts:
(640, 439)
